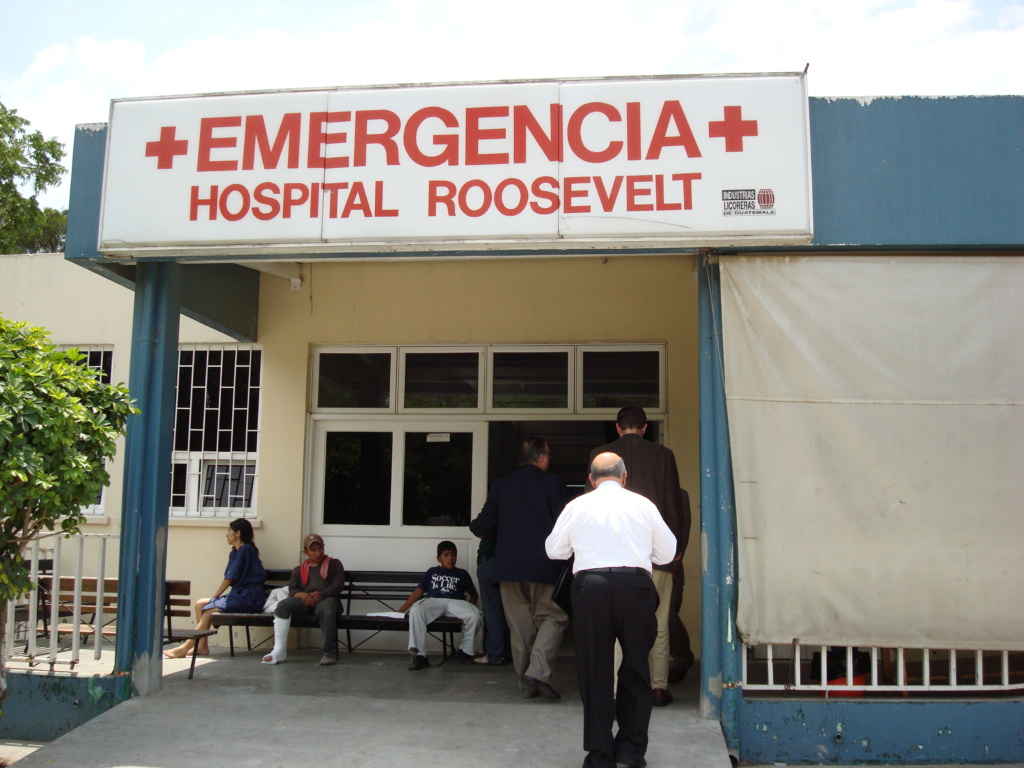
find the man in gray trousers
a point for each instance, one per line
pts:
(521, 508)
(314, 588)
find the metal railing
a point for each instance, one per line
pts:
(31, 634)
(851, 671)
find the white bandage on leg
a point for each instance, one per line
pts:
(280, 652)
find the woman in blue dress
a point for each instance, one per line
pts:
(244, 576)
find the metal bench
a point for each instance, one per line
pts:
(370, 592)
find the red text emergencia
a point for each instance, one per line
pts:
(433, 136)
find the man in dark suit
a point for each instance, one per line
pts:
(653, 473)
(521, 509)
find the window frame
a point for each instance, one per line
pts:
(196, 462)
(485, 361)
(481, 373)
(319, 351)
(570, 364)
(97, 509)
(659, 348)
(397, 427)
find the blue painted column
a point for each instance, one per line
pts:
(711, 643)
(721, 648)
(144, 511)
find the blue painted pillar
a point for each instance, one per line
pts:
(711, 643)
(721, 648)
(144, 511)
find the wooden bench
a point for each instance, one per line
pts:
(97, 605)
(98, 609)
(177, 604)
(364, 592)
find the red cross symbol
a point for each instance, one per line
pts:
(733, 128)
(166, 148)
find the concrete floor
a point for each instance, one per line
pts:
(367, 710)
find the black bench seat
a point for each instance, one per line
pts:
(365, 592)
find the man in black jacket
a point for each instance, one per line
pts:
(653, 473)
(521, 508)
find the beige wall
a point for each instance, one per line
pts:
(479, 301)
(508, 300)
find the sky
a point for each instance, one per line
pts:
(62, 61)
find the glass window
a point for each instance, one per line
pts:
(216, 431)
(357, 478)
(541, 378)
(217, 400)
(531, 380)
(438, 478)
(228, 485)
(354, 380)
(612, 379)
(179, 485)
(442, 380)
(101, 359)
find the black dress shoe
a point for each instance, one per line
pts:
(678, 673)
(662, 698)
(543, 688)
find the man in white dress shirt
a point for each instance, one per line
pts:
(615, 536)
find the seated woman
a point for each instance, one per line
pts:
(244, 575)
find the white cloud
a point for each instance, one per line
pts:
(855, 48)
(48, 60)
(933, 47)
(109, 60)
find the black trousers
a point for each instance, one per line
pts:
(609, 607)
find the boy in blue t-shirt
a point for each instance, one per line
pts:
(443, 590)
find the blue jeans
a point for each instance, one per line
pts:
(496, 635)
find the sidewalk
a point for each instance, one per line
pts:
(367, 710)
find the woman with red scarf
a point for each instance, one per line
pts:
(314, 588)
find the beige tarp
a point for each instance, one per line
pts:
(877, 434)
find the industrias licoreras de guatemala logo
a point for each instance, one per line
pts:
(748, 202)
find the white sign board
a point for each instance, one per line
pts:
(615, 163)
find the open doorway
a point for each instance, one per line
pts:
(570, 441)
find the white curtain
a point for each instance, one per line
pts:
(877, 435)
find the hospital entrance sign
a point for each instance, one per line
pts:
(616, 163)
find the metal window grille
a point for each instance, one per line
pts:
(216, 431)
(843, 671)
(99, 358)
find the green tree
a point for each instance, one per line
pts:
(58, 425)
(31, 163)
